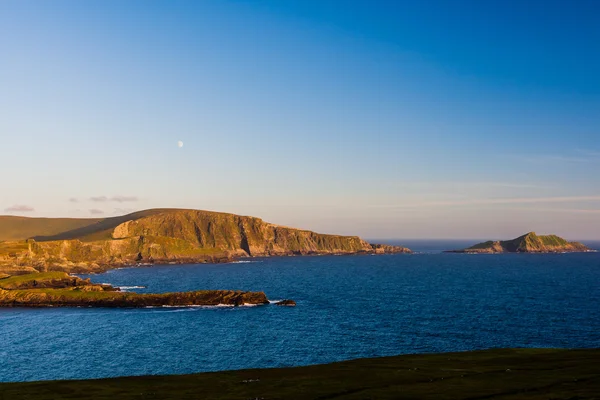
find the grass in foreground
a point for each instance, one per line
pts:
(490, 374)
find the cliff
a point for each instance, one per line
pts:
(58, 289)
(172, 236)
(528, 243)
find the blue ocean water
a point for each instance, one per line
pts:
(348, 307)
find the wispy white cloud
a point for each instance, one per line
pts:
(559, 210)
(577, 211)
(122, 199)
(19, 208)
(576, 156)
(95, 211)
(117, 199)
(589, 153)
(492, 201)
(481, 184)
(555, 158)
(73, 200)
(510, 185)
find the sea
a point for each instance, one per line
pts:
(347, 307)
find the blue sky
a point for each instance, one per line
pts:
(433, 119)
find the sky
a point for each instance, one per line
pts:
(384, 119)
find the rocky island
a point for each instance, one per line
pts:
(158, 236)
(58, 289)
(528, 243)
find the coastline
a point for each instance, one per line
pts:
(465, 251)
(58, 289)
(95, 268)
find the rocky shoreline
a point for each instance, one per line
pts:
(170, 237)
(58, 289)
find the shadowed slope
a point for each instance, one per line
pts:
(99, 229)
(21, 228)
(490, 374)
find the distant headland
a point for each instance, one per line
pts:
(158, 236)
(528, 243)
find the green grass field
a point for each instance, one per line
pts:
(14, 228)
(14, 282)
(21, 228)
(491, 374)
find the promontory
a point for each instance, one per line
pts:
(528, 243)
(158, 236)
(58, 289)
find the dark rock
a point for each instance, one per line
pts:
(289, 303)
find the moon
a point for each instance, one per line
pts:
(179, 144)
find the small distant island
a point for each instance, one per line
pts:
(528, 243)
(58, 289)
(158, 236)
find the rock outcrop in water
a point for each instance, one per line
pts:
(170, 236)
(287, 303)
(58, 289)
(528, 243)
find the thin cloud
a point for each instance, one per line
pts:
(496, 201)
(477, 184)
(558, 210)
(510, 185)
(73, 200)
(578, 211)
(19, 208)
(122, 199)
(117, 199)
(589, 153)
(582, 157)
(95, 211)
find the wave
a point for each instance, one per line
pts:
(189, 307)
(131, 287)
(245, 262)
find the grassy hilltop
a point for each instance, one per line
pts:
(524, 374)
(158, 236)
(20, 228)
(528, 243)
(46, 229)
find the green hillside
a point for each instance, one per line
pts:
(98, 229)
(518, 374)
(20, 228)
